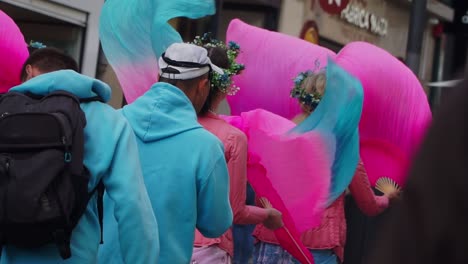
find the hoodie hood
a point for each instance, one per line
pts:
(66, 80)
(162, 112)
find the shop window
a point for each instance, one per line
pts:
(257, 13)
(50, 31)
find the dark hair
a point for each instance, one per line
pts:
(48, 60)
(218, 57)
(430, 224)
(184, 84)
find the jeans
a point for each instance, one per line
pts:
(266, 253)
(242, 236)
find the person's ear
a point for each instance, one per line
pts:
(202, 84)
(29, 71)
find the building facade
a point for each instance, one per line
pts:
(384, 23)
(73, 27)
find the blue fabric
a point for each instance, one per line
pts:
(110, 154)
(266, 253)
(337, 117)
(134, 34)
(141, 28)
(184, 169)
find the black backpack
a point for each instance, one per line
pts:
(43, 181)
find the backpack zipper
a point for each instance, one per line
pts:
(67, 155)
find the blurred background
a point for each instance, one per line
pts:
(438, 30)
(430, 36)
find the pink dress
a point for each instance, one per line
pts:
(331, 234)
(235, 150)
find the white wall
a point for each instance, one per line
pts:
(292, 16)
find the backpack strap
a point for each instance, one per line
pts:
(100, 207)
(91, 99)
(62, 240)
(100, 188)
(32, 95)
(60, 236)
(60, 92)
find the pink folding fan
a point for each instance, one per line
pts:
(395, 114)
(13, 53)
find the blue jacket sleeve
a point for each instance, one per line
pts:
(214, 211)
(137, 226)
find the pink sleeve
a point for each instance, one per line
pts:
(366, 200)
(237, 167)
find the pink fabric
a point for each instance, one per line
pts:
(395, 114)
(272, 61)
(235, 149)
(273, 155)
(331, 234)
(134, 34)
(279, 154)
(132, 86)
(384, 160)
(287, 236)
(13, 53)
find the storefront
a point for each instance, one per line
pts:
(453, 61)
(384, 23)
(72, 26)
(68, 25)
(260, 13)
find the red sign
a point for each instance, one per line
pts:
(333, 7)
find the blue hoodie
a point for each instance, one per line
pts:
(110, 154)
(184, 170)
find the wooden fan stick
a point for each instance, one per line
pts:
(266, 204)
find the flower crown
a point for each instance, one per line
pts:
(36, 45)
(306, 98)
(309, 99)
(223, 81)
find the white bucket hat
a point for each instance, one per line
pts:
(183, 61)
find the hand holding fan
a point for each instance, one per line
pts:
(274, 155)
(301, 250)
(288, 236)
(387, 186)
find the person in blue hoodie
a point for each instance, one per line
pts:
(111, 155)
(183, 164)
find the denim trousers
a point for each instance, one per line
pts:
(242, 236)
(266, 253)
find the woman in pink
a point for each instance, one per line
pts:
(326, 242)
(220, 250)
